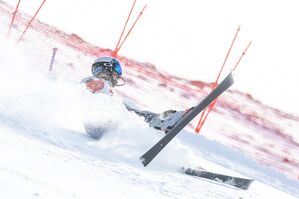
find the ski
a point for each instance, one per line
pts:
(241, 183)
(192, 113)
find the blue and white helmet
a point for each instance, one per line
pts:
(107, 68)
(106, 65)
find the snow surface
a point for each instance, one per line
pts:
(45, 152)
(44, 155)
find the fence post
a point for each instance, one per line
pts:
(13, 17)
(31, 20)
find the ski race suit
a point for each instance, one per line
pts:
(163, 121)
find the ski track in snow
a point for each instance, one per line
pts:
(46, 154)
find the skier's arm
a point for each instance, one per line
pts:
(96, 85)
(166, 120)
(163, 121)
(148, 116)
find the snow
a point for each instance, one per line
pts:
(46, 162)
(45, 152)
(186, 38)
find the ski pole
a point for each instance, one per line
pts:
(52, 59)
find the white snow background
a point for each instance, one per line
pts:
(46, 154)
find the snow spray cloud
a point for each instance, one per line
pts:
(26, 93)
(28, 96)
(131, 136)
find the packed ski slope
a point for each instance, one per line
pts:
(45, 152)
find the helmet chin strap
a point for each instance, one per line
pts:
(123, 83)
(113, 81)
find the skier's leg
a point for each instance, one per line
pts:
(96, 132)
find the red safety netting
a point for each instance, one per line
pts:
(250, 122)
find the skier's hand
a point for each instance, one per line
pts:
(165, 114)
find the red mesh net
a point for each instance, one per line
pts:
(265, 134)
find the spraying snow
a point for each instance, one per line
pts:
(35, 99)
(45, 152)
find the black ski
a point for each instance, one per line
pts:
(241, 183)
(153, 152)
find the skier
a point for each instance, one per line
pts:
(107, 72)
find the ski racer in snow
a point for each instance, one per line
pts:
(107, 72)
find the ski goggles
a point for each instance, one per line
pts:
(104, 67)
(117, 68)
